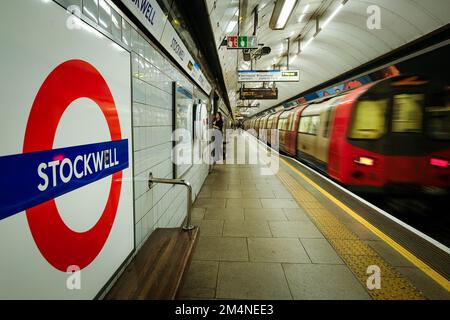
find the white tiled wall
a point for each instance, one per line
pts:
(162, 206)
(152, 77)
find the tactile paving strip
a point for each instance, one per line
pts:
(357, 255)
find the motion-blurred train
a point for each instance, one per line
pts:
(389, 136)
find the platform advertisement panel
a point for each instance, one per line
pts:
(66, 194)
(183, 130)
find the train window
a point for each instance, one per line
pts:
(369, 120)
(438, 117)
(315, 124)
(305, 123)
(280, 124)
(309, 125)
(407, 113)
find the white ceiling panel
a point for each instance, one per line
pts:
(344, 44)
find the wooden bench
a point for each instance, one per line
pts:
(158, 269)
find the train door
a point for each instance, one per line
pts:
(269, 128)
(323, 138)
(292, 133)
(437, 126)
(275, 142)
(405, 143)
(282, 126)
(288, 135)
(307, 134)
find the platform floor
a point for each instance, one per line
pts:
(273, 237)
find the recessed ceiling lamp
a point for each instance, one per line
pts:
(281, 13)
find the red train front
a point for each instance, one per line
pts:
(391, 136)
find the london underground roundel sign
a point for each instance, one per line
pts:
(66, 188)
(60, 245)
(40, 174)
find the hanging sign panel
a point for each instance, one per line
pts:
(258, 93)
(242, 42)
(66, 194)
(268, 75)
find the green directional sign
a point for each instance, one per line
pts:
(242, 42)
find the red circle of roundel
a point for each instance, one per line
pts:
(61, 246)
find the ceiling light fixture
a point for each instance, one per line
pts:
(231, 26)
(281, 13)
(307, 43)
(335, 12)
(303, 13)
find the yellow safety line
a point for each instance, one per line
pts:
(441, 280)
(356, 254)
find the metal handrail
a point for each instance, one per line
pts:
(188, 226)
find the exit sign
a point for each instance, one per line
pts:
(242, 42)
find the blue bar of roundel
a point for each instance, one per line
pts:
(19, 178)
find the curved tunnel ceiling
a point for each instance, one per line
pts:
(344, 44)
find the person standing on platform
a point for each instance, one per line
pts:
(218, 140)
